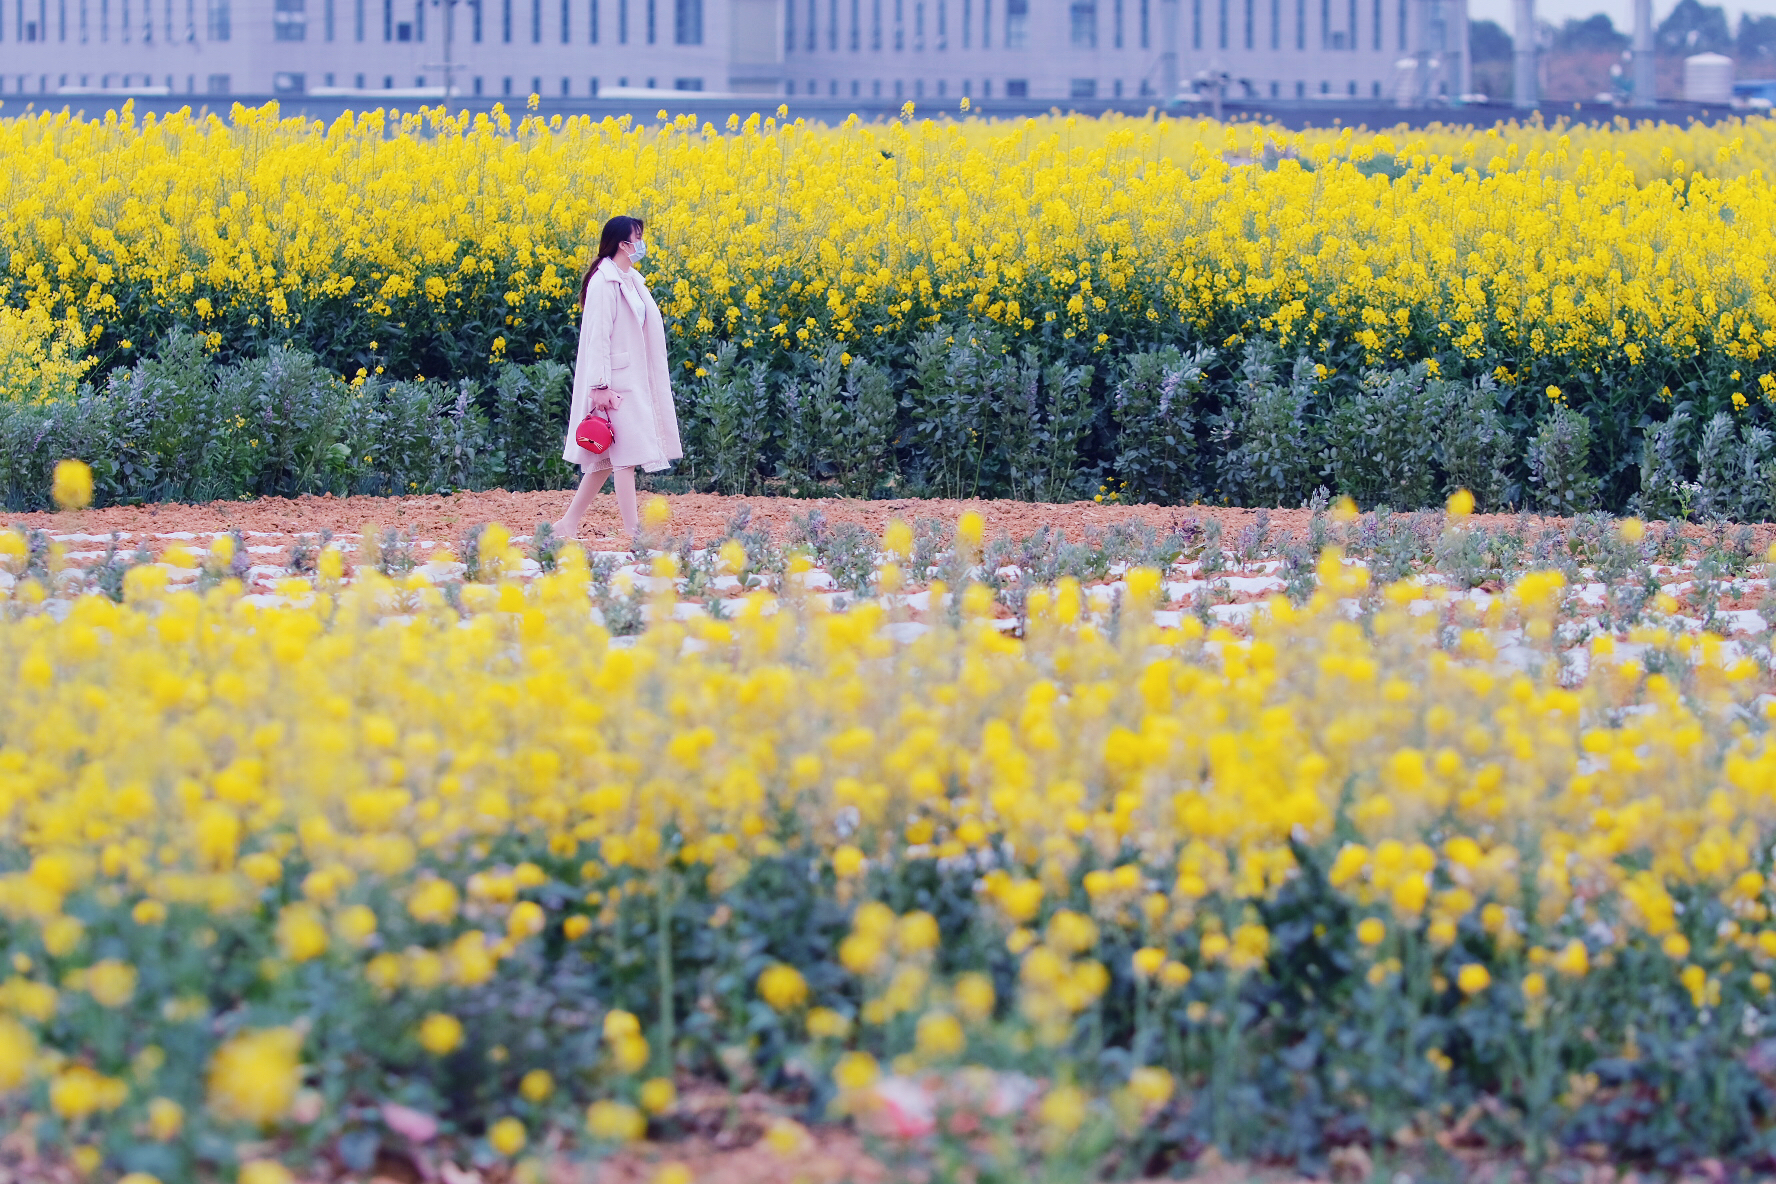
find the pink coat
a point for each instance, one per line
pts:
(623, 345)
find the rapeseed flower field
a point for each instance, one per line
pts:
(373, 862)
(1622, 271)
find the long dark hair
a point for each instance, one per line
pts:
(617, 231)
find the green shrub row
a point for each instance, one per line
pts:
(959, 413)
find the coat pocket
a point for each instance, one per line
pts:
(619, 359)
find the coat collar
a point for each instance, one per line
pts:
(608, 270)
(633, 296)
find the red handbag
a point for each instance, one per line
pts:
(595, 433)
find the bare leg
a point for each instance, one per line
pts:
(590, 485)
(569, 524)
(625, 485)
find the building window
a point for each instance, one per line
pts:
(1146, 26)
(697, 84)
(1196, 24)
(1251, 25)
(536, 87)
(899, 24)
(358, 20)
(566, 22)
(650, 4)
(218, 26)
(593, 89)
(1325, 88)
(566, 88)
(789, 26)
(899, 89)
(536, 24)
(289, 21)
(1017, 23)
(1403, 15)
(478, 83)
(1301, 24)
(419, 19)
(986, 24)
(1375, 89)
(1117, 18)
(288, 84)
(942, 89)
(359, 82)
(218, 83)
(789, 88)
(505, 86)
(856, 26)
(326, 20)
(404, 31)
(943, 31)
(1377, 24)
(1275, 89)
(687, 25)
(813, 16)
(876, 25)
(876, 88)
(918, 88)
(1082, 88)
(1084, 24)
(1338, 39)
(832, 24)
(622, 22)
(855, 87)
(1221, 32)
(592, 21)
(1116, 88)
(1017, 88)
(986, 88)
(967, 22)
(1276, 24)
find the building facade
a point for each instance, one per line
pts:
(1406, 51)
(511, 48)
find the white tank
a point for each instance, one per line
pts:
(1708, 78)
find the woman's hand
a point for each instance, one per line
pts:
(602, 398)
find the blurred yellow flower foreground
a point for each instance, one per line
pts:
(367, 866)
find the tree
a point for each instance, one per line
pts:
(1756, 43)
(1488, 41)
(1589, 35)
(1694, 27)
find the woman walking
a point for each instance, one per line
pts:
(620, 372)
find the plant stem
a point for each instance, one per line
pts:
(662, 894)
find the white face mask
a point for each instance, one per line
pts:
(637, 249)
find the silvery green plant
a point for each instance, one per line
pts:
(1153, 405)
(1382, 442)
(1268, 439)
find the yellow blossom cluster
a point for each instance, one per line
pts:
(431, 241)
(265, 858)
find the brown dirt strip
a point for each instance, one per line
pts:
(443, 518)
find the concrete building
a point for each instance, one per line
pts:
(1405, 51)
(492, 47)
(1400, 50)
